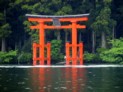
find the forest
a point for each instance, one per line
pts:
(103, 37)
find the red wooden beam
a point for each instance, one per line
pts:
(60, 19)
(58, 27)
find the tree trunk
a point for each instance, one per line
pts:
(3, 47)
(103, 38)
(66, 36)
(93, 42)
(19, 45)
(16, 46)
(113, 35)
(58, 35)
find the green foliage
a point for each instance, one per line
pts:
(99, 50)
(112, 55)
(8, 57)
(117, 43)
(115, 54)
(91, 58)
(56, 54)
(121, 63)
(5, 30)
(102, 20)
(25, 57)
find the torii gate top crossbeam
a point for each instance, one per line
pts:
(63, 16)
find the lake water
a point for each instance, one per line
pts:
(61, 79)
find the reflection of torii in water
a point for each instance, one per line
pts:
(42, 19)
(69, 80)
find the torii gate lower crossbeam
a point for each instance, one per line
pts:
(77, 49)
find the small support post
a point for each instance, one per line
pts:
(67, 53)
(81, 53)
(48, 54)
(34, 54)
(74, 43)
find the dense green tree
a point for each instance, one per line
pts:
(103, 22)
(117, 14)
(5, 28)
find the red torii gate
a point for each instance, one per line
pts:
(41, 26)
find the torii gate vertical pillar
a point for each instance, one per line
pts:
(41, 42)
(74, 43)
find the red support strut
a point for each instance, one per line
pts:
(48, 53)
(79, 56)
(67, 54)
(37, 57)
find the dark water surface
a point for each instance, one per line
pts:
(105, 79)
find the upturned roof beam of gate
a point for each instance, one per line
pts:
(65, 18)
(50, 18)
(59, 16)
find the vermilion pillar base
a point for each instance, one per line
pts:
(37, 60)
(79, 56)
